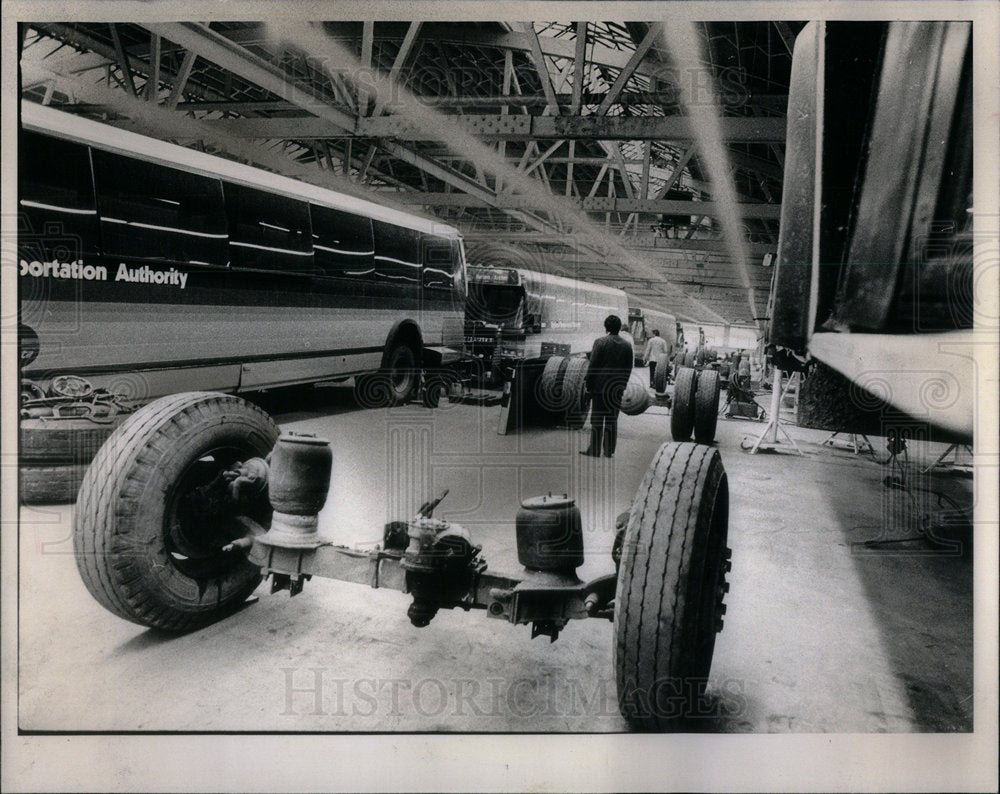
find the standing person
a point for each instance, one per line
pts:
(656, 346)
(607, 377)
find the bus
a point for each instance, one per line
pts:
(146, 268)
(641, 324)
(519, 316)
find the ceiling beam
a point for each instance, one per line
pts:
(543, 73)
(644, 243)
(222, 52)
(579, 65)
(500, 127)
(787, 37)
(397, 65)
(594, 203)
(81, 39)
(629, 69)
(658, 98)
(183, 74)
(122, 62)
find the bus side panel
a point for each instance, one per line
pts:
(573, 313)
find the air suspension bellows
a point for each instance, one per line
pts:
(298, 485)
(550, 534)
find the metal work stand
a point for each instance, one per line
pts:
(941, 458)
(865, 446)
(773, 444)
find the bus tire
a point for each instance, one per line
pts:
(671, 587)
(706, 406)
(549, 393)
(50, 485)
(689, 360)
(577, 399)
(401, 373)
(62, 440)
(682, 413)
(130, 508)
(661, 373)
(435, 388)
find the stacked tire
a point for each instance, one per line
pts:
(54, 454)
(696, 405)
(561, 389)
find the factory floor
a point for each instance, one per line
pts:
(824, 633)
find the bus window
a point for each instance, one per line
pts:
(397, 254)
(268, 231)
(440, 255)
(342, 243)
(56, 199)
(150, 211)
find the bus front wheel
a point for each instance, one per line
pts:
(391, 385)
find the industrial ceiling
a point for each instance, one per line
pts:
(573, 148)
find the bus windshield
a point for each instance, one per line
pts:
(496, 304)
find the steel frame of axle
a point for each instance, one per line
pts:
(535, 596)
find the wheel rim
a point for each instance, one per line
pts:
(401, 374)
(194, 543)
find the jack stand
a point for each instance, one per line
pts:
(853, 444)
(951, 449)
(774, 425)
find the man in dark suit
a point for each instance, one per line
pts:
(607, 376)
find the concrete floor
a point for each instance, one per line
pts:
(821, 635)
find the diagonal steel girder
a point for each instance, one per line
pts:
(238, 60)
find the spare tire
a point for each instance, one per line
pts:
(549, 393)
(682, 415)
(706, 406)
(50, 485)
(636, 398)
(55, 440)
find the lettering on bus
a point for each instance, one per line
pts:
(81, 272)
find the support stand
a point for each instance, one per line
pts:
(865, 446)
(507, 404)
(773, 424)
(941, 458)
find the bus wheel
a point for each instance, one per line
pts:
(146, 550)
(671, 586)
(401, 374)
(706, 406)
(682, 413)
(435, 388)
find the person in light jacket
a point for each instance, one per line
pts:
(607, 377)
(656, 346)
